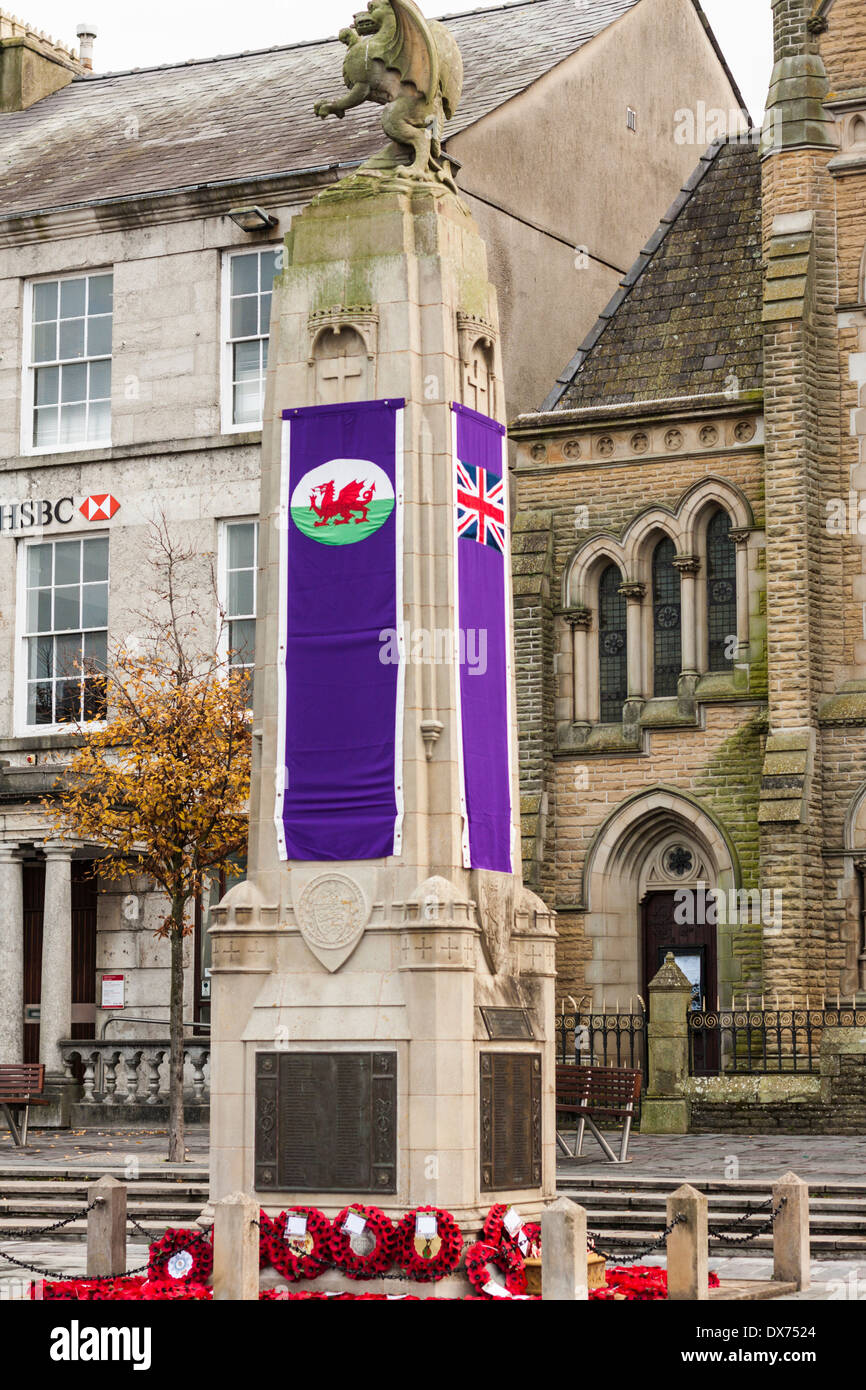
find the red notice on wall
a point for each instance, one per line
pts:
(113, 991)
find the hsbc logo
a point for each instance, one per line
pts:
(36, 514)
(99, 507)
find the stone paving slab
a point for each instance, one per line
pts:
(108, 1145)
(708, 1157)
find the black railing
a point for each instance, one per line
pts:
(762, 1041)
(602, 1039)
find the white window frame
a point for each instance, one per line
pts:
(28, 367)
(226, 342)
(19, 700)
(223, 576)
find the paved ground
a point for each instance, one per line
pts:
(709, 1157)
(86, 1147)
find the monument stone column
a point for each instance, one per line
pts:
(55, 1018)
(382, 1029)
(11, 954)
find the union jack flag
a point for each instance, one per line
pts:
(480, 506)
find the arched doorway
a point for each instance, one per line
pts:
(647, 877)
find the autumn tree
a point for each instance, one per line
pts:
(163, 783)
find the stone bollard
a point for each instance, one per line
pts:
(665, 1108)
(236, 1249)
(687, 1246)
(106, 1229)
(563, 1252)
(791, 1231)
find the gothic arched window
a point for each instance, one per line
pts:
(721, 593)
(612, 649)
(667, 623)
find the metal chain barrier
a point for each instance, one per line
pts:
(715, 1234)
(58, 1225)
(640, 1254)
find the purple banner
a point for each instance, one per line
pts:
(340, 703)
(484, 673)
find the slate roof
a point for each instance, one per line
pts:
(687, 317)
(251, 115)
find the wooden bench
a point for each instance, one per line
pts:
(21, 1085)
(593, 1092)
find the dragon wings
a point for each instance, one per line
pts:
(426, 55)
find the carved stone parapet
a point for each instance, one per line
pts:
(438, 949)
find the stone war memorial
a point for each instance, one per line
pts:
(383, 981)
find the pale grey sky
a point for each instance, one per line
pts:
(170, 31)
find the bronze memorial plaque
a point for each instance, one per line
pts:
(510, 1120)
(507, 1023)
(326, 1121)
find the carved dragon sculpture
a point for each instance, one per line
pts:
(413, 67)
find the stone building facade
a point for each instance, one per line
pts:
(689, 572)
(139, 232)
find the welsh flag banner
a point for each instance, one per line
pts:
(483, 598)
(339, 768)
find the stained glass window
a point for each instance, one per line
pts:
(721, 593)
(667, 623)
(612, 649)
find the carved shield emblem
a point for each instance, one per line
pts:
(331, 914)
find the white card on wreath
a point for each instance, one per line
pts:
(296, 1225)
(355, 1224)
(512, 1221)
(426, 1224)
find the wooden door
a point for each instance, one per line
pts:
(84, 907)
(694, 948)
(34, 903)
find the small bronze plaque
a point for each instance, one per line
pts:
(510, 1120)
(504, 1024)
(326, 1121)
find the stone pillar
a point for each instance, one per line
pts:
(688, 566)
(236, 1249)
(56, 1002)
(580, 622)
(665, 1109)
(740, 537)
(791, 1231)
(11, 955)
(688, 1275)
(106, 1229)
(563, 1252)
(634, 596)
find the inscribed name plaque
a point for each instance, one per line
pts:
(510, 1120)
(326, 1121)
(502, 1024)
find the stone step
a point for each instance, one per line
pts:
(654, 1219)
(37, 1188)
(84, 1172)
(723, 1203)
(841, 1247)
(749, 1187)
(77, 1230)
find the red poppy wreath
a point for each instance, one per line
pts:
(496, 1232)
(367, 1250)
(181, 1255)
(428, 1244)
(302, 1253)
(509, 1262)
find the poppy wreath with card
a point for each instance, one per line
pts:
(181, 1255)
(506, 1259)
(372, 1252)
(497, 1233)
(425, 1258)
(300, 1257)
(266, 1230)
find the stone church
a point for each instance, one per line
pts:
(689, 572)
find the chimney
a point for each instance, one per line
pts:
(86, 34)
(798, 87)
(32, 65)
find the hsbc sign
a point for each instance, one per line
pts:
(17, 518)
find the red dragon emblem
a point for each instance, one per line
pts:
(340, 510)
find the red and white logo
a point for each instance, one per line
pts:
(99, 507)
